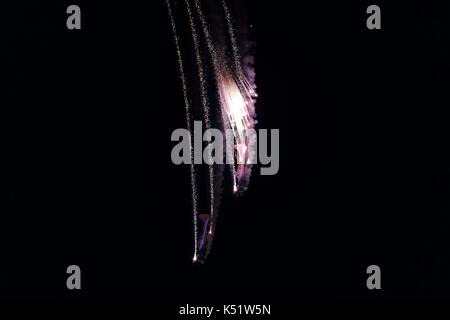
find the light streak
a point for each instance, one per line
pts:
(204, 96)
(188, 125)
(236, 98)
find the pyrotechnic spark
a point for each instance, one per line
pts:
(205, 102)
(188, 125)
(218, 66)
(234, 46)
(236, 97)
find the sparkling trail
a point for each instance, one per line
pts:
(188, 124)
(203, 93)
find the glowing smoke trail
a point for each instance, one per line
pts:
(188, 124)
(204, 96)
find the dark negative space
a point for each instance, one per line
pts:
(364, 166)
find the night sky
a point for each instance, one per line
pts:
(364, 166)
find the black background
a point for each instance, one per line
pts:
(364, 167)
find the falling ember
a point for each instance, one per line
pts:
(188, 123)
(235, 105)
